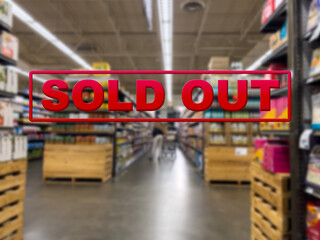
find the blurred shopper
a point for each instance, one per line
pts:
(157, 135)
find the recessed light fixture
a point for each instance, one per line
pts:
(192, 6)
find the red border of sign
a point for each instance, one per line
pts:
(159, 119)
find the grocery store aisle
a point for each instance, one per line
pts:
(167, 201)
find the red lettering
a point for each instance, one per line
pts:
(62, 97)
(207, 95)
(223, 98)
(114, 104)
(265, 86)
(77, 95)
(141, 93)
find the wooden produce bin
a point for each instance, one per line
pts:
(270, 204)
(12, 193)
(77, 162)
(227, 163)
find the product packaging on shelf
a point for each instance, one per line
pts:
(278, 38)
(313, 15)
(219, 63)
(9, 45)
(3, 77)
(282, 113)
(313, 172)
(8, 80)
(12, 147)
(313, 220)
(268, 9)
(275, 67)
(276, 157)
(6, 12)
(258, 148)
(6, 114)
(315, 100)
(102, 66)
(20, 144)
(315, 63)
(272, 114)
(277, 3)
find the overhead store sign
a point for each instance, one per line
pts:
(58, 99)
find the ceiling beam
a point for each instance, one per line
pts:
(121, 43)
(248, 22)
(123, 34)
(199, 33)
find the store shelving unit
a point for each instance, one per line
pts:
(191, 136)
(12, 172)
(34, 130)
(276, 19)
(301, 50)
(275, 215)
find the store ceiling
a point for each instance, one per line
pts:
(116, 31)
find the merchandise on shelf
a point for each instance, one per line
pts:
(268, 9)
(83, 127)
(282, 113)
(101, 66)
(12, 147)
(276, 158)
(275, 67)
(6, 12)
(6, 114)
(313, 17)
(313, 220)
(315, 101)
(279, 38)
(272, 114)
(315, 63)
(219, 63)
(313, 172)
(8, 79)
(258, 148)
(78, 140)
(217, 139)
(239, 140)
(9, 45)
(216, 127)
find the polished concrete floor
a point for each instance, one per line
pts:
(167, 201)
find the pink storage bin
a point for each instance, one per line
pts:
(259, 143)
(276, 158)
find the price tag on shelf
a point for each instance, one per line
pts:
(241, 151)
(304, 142)
(315, 34)
(309, 190)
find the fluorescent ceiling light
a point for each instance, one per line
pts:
(165, 13)
(259, 61)
(44, 32)
(26, 74)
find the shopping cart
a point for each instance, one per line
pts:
(169, 146)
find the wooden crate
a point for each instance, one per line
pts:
(223, 164)
(270, 204)
(77, 163)
(12, 192)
